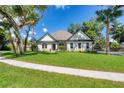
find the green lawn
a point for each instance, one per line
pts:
(122, 52)
(11, 76)
(75, 60)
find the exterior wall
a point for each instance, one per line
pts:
(83, 46)
(75, 46)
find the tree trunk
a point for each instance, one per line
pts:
(107, 37)
(33, 33)
(26, 39)
(19, 43)
(11, 40)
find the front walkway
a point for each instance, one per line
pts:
(64, 70)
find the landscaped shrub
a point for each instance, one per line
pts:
(6, 48)
(99, 45)
(62, 48)
(33, 47)
(114, 46)
(90, 51)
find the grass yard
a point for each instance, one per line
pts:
(122, 52)
(11, 76)
(75, 60)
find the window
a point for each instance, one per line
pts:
(61, 44)
(44, 45)
(87, 45)
(79, 45)
(71, 45)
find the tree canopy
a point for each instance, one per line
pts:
(18, 16)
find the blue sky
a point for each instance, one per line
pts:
(60, 17)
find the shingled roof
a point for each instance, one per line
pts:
(61, 35)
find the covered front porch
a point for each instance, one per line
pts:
(52, 46)
(47, 46)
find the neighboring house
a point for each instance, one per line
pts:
(78, 41)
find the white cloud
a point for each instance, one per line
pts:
(31, 33)
(45, 29)
(29, 38)
(24, 36)
(60, 7)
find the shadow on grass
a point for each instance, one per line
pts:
(8, 54)
(87, 52)
(48, 53)
(11, 55)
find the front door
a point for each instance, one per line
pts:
(54, 46)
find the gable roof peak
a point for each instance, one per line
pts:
(86, 36)
(45, 35)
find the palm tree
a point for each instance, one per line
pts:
(107, 16)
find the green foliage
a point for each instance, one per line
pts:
(91, 34)
(73, 28)
(3, 40)
(6, 48)
(117, 31)
(62, 48)
(3, 36)
(114, 46)
(33, 47)
(89, 29)
(90, 52)
(110, 14)
(27, 15)
(99, 44)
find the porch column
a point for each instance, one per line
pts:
(56, 46)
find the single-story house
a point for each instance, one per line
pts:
(78, 41)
